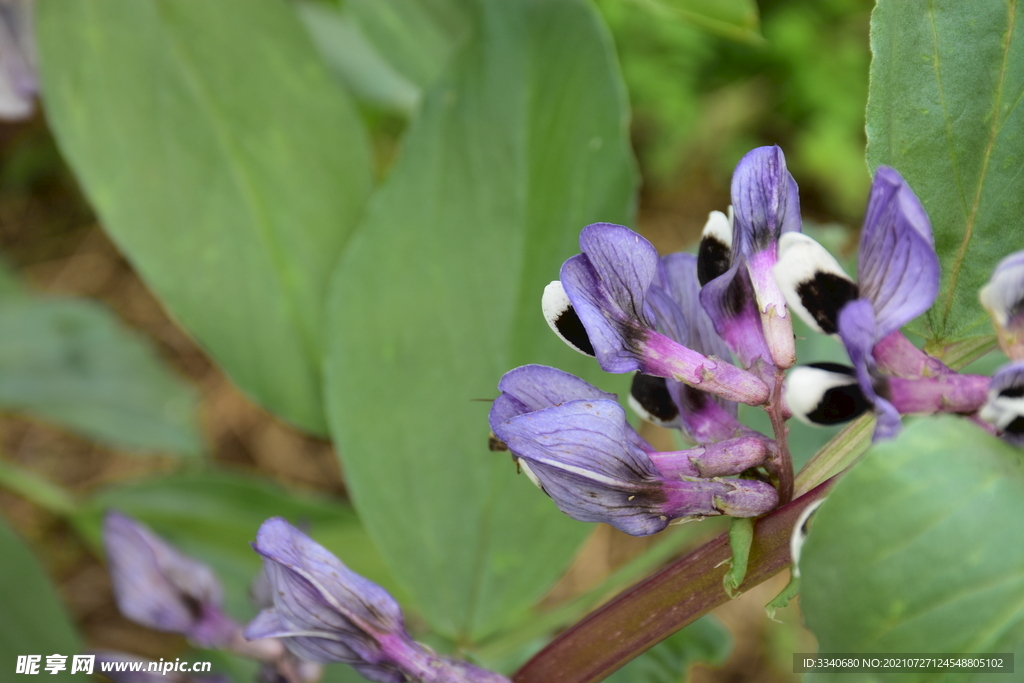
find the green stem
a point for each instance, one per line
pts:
(35, 489)
(662, 604)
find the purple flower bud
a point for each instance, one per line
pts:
(1003, 298)
(18, 80)
(1004, 408)
(585, 456)
(609, 287)
(325, 612)
(158, 587)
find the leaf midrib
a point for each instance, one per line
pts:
(994, 130)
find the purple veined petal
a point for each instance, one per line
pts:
(776, 324)
(714, 255)
(679, 279)
(814, 284)
(563, 319)
(704, 417)
(765, 199)
(898, 269)
(1004, 408)
(857, 329)
(1003, 298)
(730, 304)
(607, 285)
(668, 315)
(581, 453)
(18, 78)
(158, 587)
(824, 394)
(535, 387)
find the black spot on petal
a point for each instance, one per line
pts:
(838, 405)
(571, 328)
(713, 258)
(1012, 392)
(1016, 427)
(837, 368)
(653, 396)
(824, 295)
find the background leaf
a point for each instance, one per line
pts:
(215, 515)
(705, 640)
(946, 79)
(73, 362)
(519, 145)
(918, 549)
(226, 164)
(34, 621)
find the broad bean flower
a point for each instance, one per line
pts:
(325, 612)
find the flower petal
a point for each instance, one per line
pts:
(1003, 298)
(1005, 406)
(731, 307)
(765, 199)
(714, 255)
(824, 394)
(814, 284)
(857, 329)
(898, 269)
(563, 319)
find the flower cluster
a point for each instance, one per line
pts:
(704, 332)
(314, 610)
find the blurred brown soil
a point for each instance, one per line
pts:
(50, 236)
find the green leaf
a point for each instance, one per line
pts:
(705, 640)
(741, 535)
(917, 549)
(226, 164)
(521, 144)
(946, 79)
(73, 362)
(34, 620)
(215, 515)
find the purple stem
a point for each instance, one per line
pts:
(953, 393)
(664, 603)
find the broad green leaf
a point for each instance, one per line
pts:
(918, 548)
(34, 620)
(73, 362)
(225, 162)
(705, 640)
(214, 516)
(521, 144)
(946, 79)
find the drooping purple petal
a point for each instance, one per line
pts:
(898, 269)
(1003, 298)
(608, 285)
(857, 327)
(314, 591)
(158, 587)
(678, 277)
(583, 456)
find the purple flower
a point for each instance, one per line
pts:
(580, 450)
(1003, 298)
(609, 290)
(18, 81)
(1004, 408)
(158, 587)
(898, 279)
(325, 612)
(667, 402)
(744, 300)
